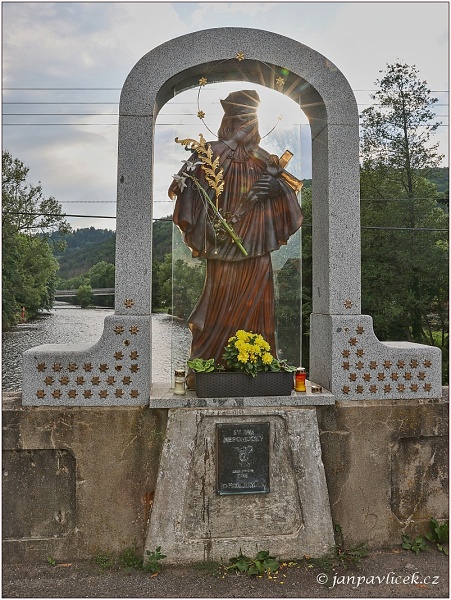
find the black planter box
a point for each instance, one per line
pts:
(233, 385)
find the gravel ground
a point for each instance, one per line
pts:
(383, 574)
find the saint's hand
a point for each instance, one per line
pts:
(266, 186)
(216, 232)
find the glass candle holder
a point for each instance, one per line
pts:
(299, 380)
(179, 383)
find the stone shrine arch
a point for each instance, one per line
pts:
(337, 327)
(323, 94)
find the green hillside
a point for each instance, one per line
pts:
(78, 260)
(89, 246)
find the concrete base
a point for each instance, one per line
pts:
(162, 396)
(77, 481)
(193, 523)
(81, 480)
(387, 467)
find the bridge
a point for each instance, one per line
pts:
(94, 292)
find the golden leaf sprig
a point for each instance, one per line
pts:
(215, 177)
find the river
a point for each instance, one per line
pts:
(67, 324)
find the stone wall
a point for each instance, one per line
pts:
(386, 466)
(79, 481)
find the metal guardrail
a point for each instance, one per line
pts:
(95, 292)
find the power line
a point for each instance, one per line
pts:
(65, 103)
(400, 199)
(56, 89)
(29, 214)
(169, 200)
(110, 114)
(114, 114)
(117, 104)
(115, 124)
(65, 124)
(402, 228)
(87, 89)
(422, 229)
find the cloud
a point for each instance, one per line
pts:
(81, 44)
(399, 30)
(89, 45)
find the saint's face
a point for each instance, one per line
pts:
(245, 125)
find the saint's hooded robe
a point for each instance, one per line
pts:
(238, 291)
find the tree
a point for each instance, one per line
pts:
(24, 207)
(396, 131)
(84, 296)
(29, 268)
(187, 284)
(102, 275)
(404, 241)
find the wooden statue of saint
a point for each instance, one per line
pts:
(263, 210)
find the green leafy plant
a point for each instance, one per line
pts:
(199, 365)
(340, 555)
(215, 569)
(104, 560)
(417, 544)
(129, 559)
(51, 561)
(348, 557)
(152, 560)
(439, 535)
(262, 563)
(249, 353)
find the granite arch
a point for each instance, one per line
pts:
(338, 330)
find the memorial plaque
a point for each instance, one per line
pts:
(243, 458)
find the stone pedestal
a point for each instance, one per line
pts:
(116, 371)
(192, 522)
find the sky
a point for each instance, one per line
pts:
(64, 64)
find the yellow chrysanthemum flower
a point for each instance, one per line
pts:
(267, 358)
(243, 357)
(242, 335)
(241, 345)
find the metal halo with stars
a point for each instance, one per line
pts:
(239, 56)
